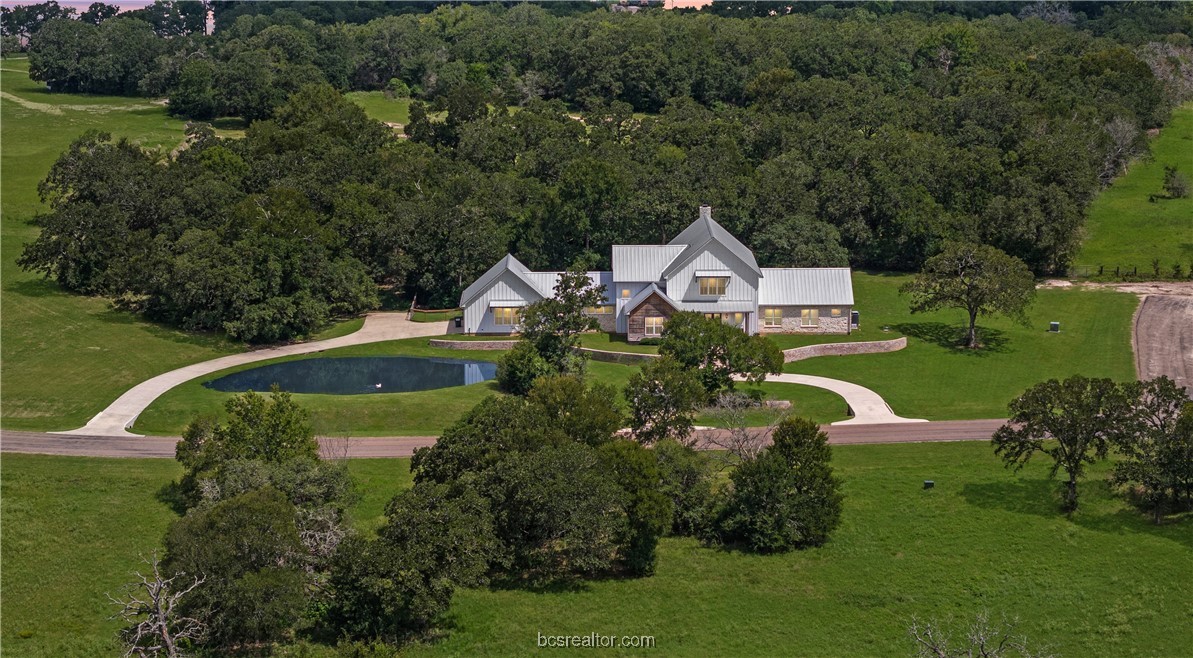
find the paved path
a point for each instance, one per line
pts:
(404, 446)
(377, 327)
(1163, 338)
(867, 406)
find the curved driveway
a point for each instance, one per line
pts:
(118, 416)
(868, 407)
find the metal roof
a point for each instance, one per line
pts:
(640, 263)
(805, 286)
(542, 282)
(726, 306)
(486, 280)
(645, 293)
(699, 234)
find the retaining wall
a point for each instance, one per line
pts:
(473, 344)
(843, 349)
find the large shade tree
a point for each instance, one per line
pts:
(979, 279)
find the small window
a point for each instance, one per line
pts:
(713, 316)
(599, 310)
(809, 317)
(772, 317)
(836, 312)
(654, 325)
(505, 317)
(625, 293)
(713, 285)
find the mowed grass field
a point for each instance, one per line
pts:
(1104, 583)
(66, 356)
(1124, 229)
(422, 413)
(932, 378)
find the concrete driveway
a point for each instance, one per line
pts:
(118, 416)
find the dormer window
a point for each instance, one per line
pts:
(713, 286)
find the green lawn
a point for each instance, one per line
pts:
(423, 413)
(1104, 583)
(1125, 229)
(66, 357)
(377, 106)
(439, 316)
(933, 379)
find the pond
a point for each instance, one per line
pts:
(358, 375)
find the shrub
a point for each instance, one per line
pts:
(685, 477)
(663, 397)
(648, 510)
(557, 512)
(786, 497)
(587, 414)
(248, 549)
(519, 367)
(436, 538)
(493, 430)
(1176, 185)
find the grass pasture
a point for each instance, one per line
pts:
(1124, 229)
(66, 356)
(933, 378)
(1105, 583)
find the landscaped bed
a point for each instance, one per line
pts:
(1105, 583)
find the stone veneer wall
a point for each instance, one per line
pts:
(472, 344)
(608, 321)
(636, 323)
(843, 349)
(827, 323)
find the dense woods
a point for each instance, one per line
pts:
(836, 135)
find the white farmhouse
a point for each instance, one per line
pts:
(704, 269)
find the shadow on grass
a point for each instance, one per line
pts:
(953, 337)
(1042, 498)
(164, 332)
(36, 288)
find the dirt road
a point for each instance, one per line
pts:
(1163, 338)
(404, 446)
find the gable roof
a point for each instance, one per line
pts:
(645, 293)
(486, 280)
(642, 262)
(805, 286)
(699, 235)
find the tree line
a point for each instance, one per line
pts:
(842, 136)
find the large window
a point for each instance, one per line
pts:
(505, 317)
(598, 310)
(713, 285)
(772, 317)
(713, 316)
(654, 325)
(735, 319)
(809, 317)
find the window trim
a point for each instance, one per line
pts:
(499, 319)
(772, 316)
(708, 289)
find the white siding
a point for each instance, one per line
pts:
(743, 282)
(478, 318)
